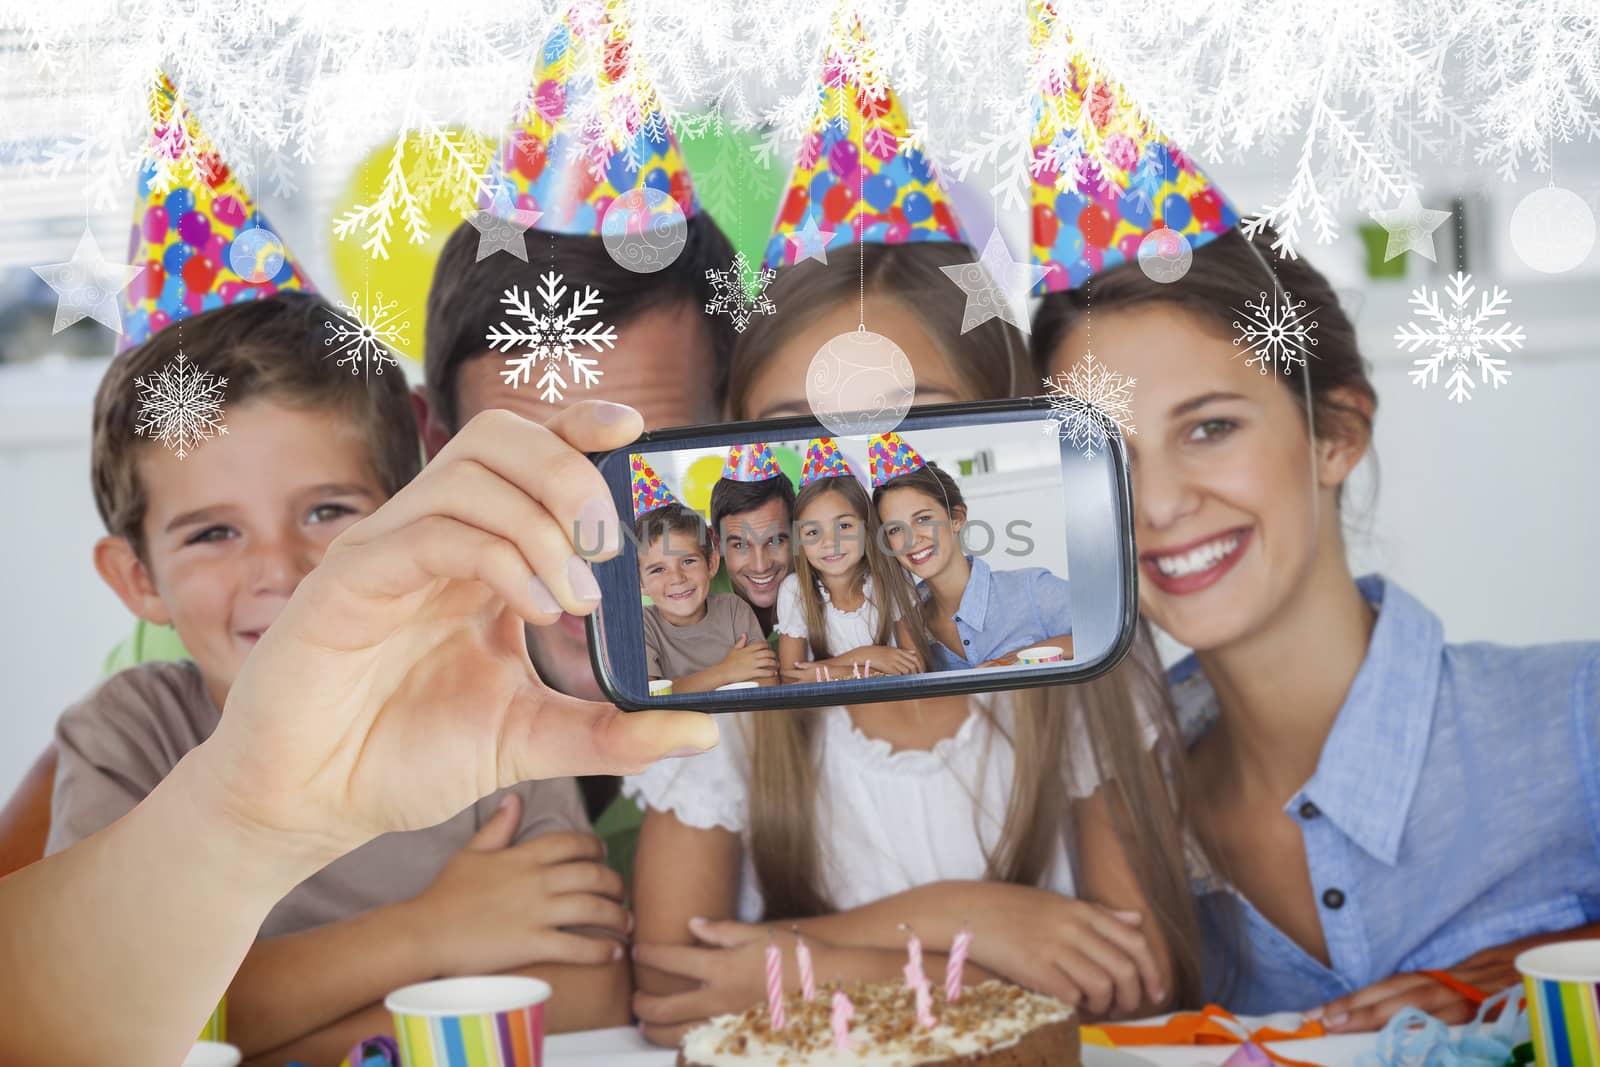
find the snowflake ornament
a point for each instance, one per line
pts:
(180, 406)
(365, 333)
(1087, 402)
(1460, 336)
(733, 298)
(1276, 333)
(552, 336)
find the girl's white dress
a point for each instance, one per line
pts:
(886, 821)
(846, 629)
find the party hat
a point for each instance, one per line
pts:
(750, 463)
(824, 460)
(1131, 180)
(856, 179)
(591, 130)
(197, 232)
(649, 491)
(890, 457)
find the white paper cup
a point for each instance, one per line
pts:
(441, 1023)
(739, 685)
(660, 687)
(1042, 654)
(212, 1054)
(1562, 983)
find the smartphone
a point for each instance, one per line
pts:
(969, 549)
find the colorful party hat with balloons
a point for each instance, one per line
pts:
(649, 491)
(753, 462)
(1131, 181)
(855, 177)
(890, 457)
(197, 232)
(591, 130)
(824, 460)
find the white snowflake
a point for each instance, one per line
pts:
(731, 296)
(365, 333)
(551, 336)
(1086, 402)
(1460, 336)
(180, 406)
(1276, 333)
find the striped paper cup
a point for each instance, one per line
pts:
(1563, 987)
(470, 1022)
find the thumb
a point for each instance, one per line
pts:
(739, 643)
(496, 834)
(724, 933)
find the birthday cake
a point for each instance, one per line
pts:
(991, 1025)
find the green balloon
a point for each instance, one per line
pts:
(735, 188)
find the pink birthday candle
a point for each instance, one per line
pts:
(843, 1012)
(775, 984)
(925, 1017)
(808, 981)
(958, 960)
(913, 959)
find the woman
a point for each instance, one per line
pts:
(843, 823)
(1373, 802)
(393, 691)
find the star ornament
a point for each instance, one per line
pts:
(990, 283)
(1410, 227)
(503, 228)
(87, 285)
(811, 242)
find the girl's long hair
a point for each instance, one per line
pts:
(784, 844)
(884, 572)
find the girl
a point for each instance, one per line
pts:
(842, 823)
(1358, 784)
(965, 613)
(835, 612)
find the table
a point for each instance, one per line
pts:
(622, 1046)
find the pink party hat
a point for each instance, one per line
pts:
(592, 129)
(196, 231)
(890, 457)
(824, 460)
(855, 176)
(1131, 181)
(750, 463)
(649, 491)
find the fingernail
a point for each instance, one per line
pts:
(616, 952)
(607, 412)
(634, 951)
(1337, 1020)
(1314, 1013)
(630, 922)
(682, 753)
(1129, 917)
(505, 801)
(697, 922)
(543, 599)
(584, 587)
(598, 531)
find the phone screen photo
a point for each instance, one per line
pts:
(777, 565)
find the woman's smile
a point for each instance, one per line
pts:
(1197, 565)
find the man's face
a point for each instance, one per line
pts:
(757, 550)
(662, 365)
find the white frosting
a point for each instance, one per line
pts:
(700, 1046)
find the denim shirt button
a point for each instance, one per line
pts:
(1333, 898)
(1309, 810)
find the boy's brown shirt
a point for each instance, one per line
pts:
(672, 651)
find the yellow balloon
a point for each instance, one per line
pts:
(403, 277)
(698, 481)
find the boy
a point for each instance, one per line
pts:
(701, 642)
(214, 544)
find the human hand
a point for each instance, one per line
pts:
(1081, 953)
(395, 687)
(889, 660)
(507, 906)
(729, 962)
(747, 662)
(1491, 970)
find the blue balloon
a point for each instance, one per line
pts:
(656, 178)
(620, 172)
(1070, 205)
(774, 254)
(285, 273)
(1068, 248)
(876, 232)
(555, 46)
(1230, 217)
(823, 181)
(898, 170)
(1175, 212)
(179, 202)
(919, 165)
(583, 220)
(879, 191)
(1135, 207)
(173, 259)
(916, 206)
(136, 325)
(210, 301)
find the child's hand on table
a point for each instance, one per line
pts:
(1081, 953)
(506, 906)
(749, 661)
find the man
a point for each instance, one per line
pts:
(752, 510)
